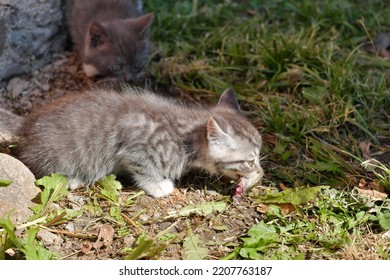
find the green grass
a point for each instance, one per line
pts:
(298, 70)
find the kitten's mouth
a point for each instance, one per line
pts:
(245, 183)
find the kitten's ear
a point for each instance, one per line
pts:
(228, 99)
(142, 23)
(98, 36)
(215, 133)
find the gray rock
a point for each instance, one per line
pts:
(30, 33)
(18, 195)
(9, 127)
(49, 238)
(16, 86)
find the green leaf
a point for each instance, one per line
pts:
(50, 184)
(5, 182)
(54, 187)
(143, 246)
(116, 213)
(192, 248)
(295, 196)
(250, 253)
(203, 209)
(110, 188)
(384, 221)
(261, 235)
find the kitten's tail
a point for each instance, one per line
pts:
(10, 125)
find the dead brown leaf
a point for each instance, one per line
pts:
(375, 186)
(286, 208)
(373, 193)
(86, 247)
(365, 148)
(371, 186)
(362, 184)
(262, 208)
(105, 237)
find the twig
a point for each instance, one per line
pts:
(77, 235)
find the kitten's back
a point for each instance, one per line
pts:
(79, 131)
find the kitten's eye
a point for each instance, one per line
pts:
(251, 163)
(116, 67)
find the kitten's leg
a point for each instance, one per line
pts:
(155, 188)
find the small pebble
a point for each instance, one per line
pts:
(70, 227)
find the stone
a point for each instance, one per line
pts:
(70, 227)
(48, 238)
(9, 126)
(18, 196)
(31, 32)
(17, 86)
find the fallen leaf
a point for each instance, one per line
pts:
(192, 248)
(375, 186)
(371, 186)
(262, 208)
(362, 184)
(373, 193)
(105, 237)
(365, 148)
(384, 221)
(86, 247)
(286, 208)
(202, 209)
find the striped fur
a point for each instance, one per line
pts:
(156, 139)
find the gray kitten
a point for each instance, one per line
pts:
(111, 37)
(157, 140)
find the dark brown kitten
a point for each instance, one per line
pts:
(111, 37)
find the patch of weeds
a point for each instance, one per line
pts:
(27, 245)
(146, 248)
(381, 171)
(45, 212)
(319, 226)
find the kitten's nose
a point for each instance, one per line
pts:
(129, 77)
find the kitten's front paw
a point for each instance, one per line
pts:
(74, 184)
(161, 189)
